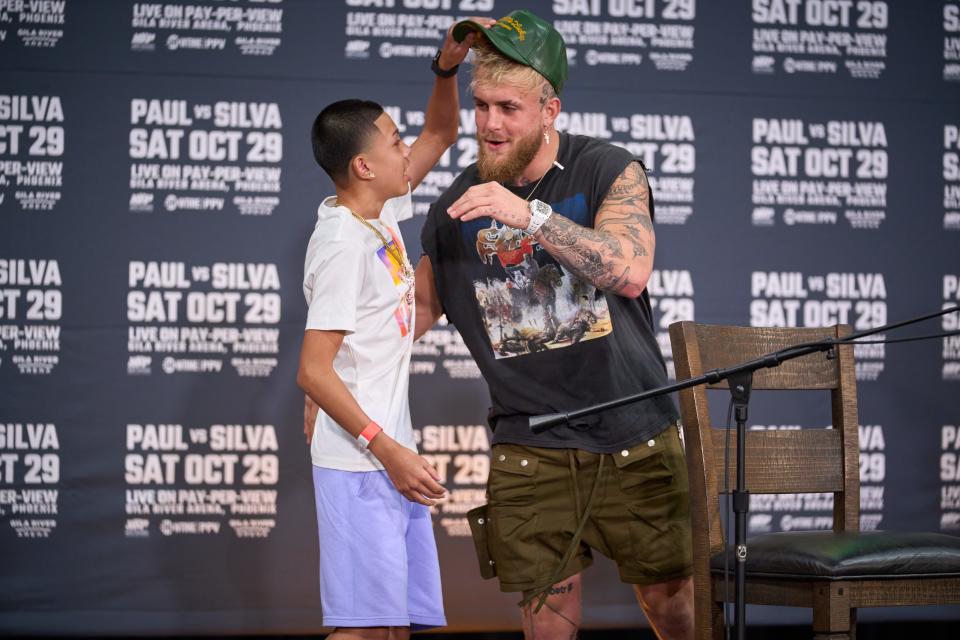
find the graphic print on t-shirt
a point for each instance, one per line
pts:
(404, 313)
(528, 301)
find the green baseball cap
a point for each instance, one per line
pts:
(527, 39)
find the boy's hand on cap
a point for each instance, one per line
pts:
(452, 52)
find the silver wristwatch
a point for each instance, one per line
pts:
(539, 212)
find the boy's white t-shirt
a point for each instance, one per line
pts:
(353, 284)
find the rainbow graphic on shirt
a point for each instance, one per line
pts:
(404, 313)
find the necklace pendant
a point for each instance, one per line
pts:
(410, 281)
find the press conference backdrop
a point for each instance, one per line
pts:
(157, 190)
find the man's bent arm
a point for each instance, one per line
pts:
(617, 254)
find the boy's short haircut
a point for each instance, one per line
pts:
(340, 132)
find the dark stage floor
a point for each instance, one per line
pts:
(941, 630)
(875, 631)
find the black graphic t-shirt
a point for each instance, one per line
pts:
(545, 340)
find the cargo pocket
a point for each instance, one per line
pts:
(657, 503)
(513, 546)
(512, 476)
(477, 518)
(511, 518)
(642, 470)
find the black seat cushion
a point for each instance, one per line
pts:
(824, 555)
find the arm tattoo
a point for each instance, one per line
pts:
(601, 256)
(588, 253)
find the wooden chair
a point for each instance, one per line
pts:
(833, 572)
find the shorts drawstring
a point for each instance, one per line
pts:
(543, 593)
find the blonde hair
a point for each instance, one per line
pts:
(492, 67)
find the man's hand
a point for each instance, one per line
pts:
(491, 200)
(310, 410)
(411, 474)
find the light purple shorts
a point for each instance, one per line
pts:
(378, 557)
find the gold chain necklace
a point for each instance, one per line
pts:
(536, 186)
(552, 165)
(406, 269)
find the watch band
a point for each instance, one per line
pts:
(435, 67)
(539, 213)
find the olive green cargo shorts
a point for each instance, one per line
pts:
(639, 516)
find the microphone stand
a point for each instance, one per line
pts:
(740, 378)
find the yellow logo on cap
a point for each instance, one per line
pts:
(509, 23)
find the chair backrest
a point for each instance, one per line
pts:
(800, 461)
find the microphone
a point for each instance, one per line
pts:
(539, 424)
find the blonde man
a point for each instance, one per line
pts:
(539, 254)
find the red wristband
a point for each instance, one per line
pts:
(369, 432)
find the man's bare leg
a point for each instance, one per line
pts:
(669, 608)
(399, 633)
(560, 616)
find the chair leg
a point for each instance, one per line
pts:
(832, 615)
(716, 616)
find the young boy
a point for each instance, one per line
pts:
(378, 559)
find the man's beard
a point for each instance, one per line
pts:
(508, 169)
